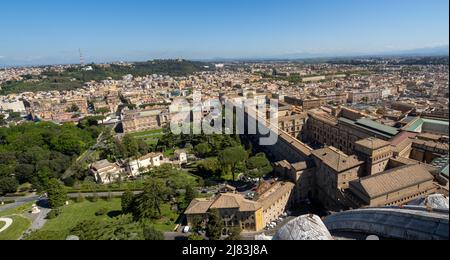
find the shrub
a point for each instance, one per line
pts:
(69, 182)
(53, 214)
(151, 234)
(101, 212)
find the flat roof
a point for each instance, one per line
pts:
(377, 126)
(375, 130)
(437, 122)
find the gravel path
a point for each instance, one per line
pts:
(40, 220)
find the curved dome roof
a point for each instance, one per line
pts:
(307, 227)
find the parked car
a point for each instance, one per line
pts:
(186, 229)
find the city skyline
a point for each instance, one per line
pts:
(200, 29)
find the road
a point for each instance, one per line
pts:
(170, 236)
(18, 202)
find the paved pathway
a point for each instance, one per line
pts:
(8, 222)
(40, 219)
(18, 202)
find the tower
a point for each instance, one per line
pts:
(81, 57)
(375, 152)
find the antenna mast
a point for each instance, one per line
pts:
(81, 58)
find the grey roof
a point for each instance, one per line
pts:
(373, 127)
(393, 223)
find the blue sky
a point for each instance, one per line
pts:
(53, 30)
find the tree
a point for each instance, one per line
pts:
(198, 224)
(234, 234)
(102, 111)
(130, 146)
(127, 202)
(121, 228)
(202, 150)
(210, 166)
(3, 120)
(73, 109)
(230, 157)
(68, 143)
(14, 116)
(190, 195)
(151, 234)
(56, 193)
(8, 185)
(215, 225)
(147, 205)
(258, 166)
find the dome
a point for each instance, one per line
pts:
(307, 227)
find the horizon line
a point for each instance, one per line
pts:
(237, 59)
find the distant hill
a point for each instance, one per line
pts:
(434, 51)
(75, 77)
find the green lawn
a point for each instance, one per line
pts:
(167, 222)
(169, 153)
(24, 187)
(59, 228)
(150, 141)
(18, 227)
(2, 224)
(150, 137)
(17, 211)
(157, 132)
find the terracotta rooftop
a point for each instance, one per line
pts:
(222, 201)
(322, 116)
(402, 137)
(372, 143)
(198, 206)
(102, 164)
(408, 161)
(274, 193)
(150, 156)
(393, 180)
(431, 144)
(336, 159)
